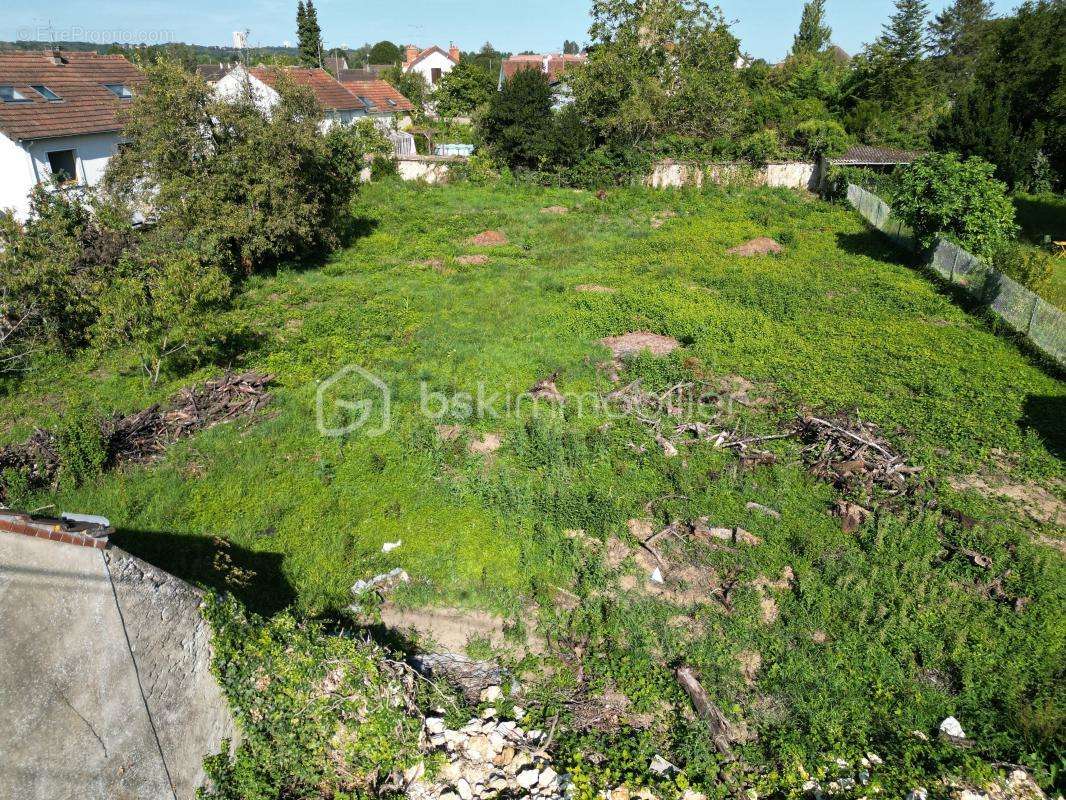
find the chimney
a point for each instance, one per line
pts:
(57, 57)
(453, 53)
(412, 53)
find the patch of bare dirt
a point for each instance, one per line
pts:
(555, 210)
(660, 219)
(594, 288)
(488, 443)
(451, 629)
(473, 261)
(750, 661)
(756, 247)
(629, 344)
(1033, 500)
(449, 433)
(490, 239)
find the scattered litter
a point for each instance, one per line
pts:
(380, 583)
(657, 576)
(952, 728)
(660, 766)
(489, 239)
(756, 247)
(388, 547)
(765, 510)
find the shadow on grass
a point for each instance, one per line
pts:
(1046, 416)
(210, 562)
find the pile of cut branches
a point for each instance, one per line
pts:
(143, 436)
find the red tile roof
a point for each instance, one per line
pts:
(425, 54)
(556, 65)
(328, 91)
(379, 93)
(86, 105)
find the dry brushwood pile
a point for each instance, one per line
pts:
(143, 436)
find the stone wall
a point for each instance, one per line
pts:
(671, 174)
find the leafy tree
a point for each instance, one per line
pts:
(308, 34)
(957, 35)
(385, 53)
(465, 88)
(571, 48)
(243, 188)
(517, 125)
(943, 195)
(165, 303)
(820, 137)
(1016, 106)
(660, 70)
(814, 35)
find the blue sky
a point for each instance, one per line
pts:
(765, 27)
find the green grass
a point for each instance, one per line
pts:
(835, 323)
(1043, 216)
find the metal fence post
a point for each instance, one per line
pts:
(1032, 314)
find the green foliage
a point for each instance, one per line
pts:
(463, 90)
(1030, 266)
(412, 86)
(813, 35)
(761, 147)
(660, 70)
(243, 189)
(385, 52)
(942, 195)
(320, 713)
(1014, 108)
(820, 138)
(517, 125)
(883, 184)
(957, 36)
(80, 444)
(308, 34)
(164, 303)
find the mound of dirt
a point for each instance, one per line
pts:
(756, 247)
(473, 261)
(555, 210)
(629, 344)
(487, 444)
(594, 288)
(490, 239)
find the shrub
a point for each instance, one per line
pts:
(883, 184)
(517, 125)
(820, 138)
(80, 445)
(463, 90)
(321, 714)
(942, 195)
(1030, 266)
(761, 147)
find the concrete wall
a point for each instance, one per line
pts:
(104, 682)
(431, 169)
(25, 164)
(790, 175)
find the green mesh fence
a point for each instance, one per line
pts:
(1021, 309)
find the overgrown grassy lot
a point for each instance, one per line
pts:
(879, 633)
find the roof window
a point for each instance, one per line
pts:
(367, 102)
(45, 92)
(119, 90)
(9, 94)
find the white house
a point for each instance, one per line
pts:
(340, 105)
(431, 63)
(60, 119)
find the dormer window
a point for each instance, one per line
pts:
(46, 93)
(119, 90)
(9, 94)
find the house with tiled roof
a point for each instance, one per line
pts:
(381, 99)
(554, 65)
(260, 83)
(61, 119)
(431, 63)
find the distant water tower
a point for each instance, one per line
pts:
(240, 40)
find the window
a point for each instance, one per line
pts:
(391, 102)
(119, 90)
(435, 73)
(63, 166)
(368, 103)
(9, 94)
(46, 93)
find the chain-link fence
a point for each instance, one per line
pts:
(1021, 309)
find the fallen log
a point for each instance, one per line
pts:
(722, 731)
